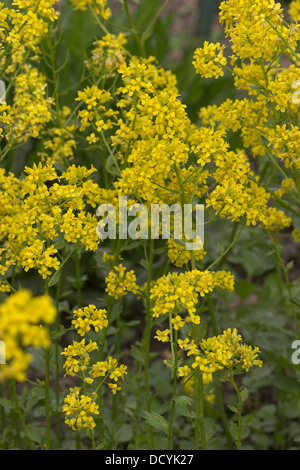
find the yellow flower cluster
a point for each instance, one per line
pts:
(110, 369)
(209, 60)
(59, 145)
(30, 110)
(87, 317)
(79, 408)
(223, 352)
(266, 118)
(247, 23)
(24, 24)
(120, 281)
(23, 324)
(294, 10)
(175, 292)
(78, 357)
(96, 113)
(296, 235)
(108, 54)
(155, 141)
(99, 7)
(42, 208)
(180, 256)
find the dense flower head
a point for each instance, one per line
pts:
(108, 54)
(30, 111)
(294, 10)
(223, 352)
(87, 317)
(23, 323)
(265, 118)
(174, 293)
(78, 356)
(99, 6)
(41, 207)
(120, 281)
(247, 24)
(25, 24)
(79, 409)
(209, 60)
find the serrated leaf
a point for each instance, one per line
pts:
(6, 403)
(34, 433)
(183, 400)
(184, 405)
(233, 429)
(210, 428)
(156, 420)
(233, 408)
(136, 353)
(244, 394)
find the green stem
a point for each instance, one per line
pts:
(240, 406)
(57, 365)
(78, 282)
(20, 415)
(287, 282)
(133, 31)
(92, 438)
(218, 388)
(174, 371)
(13, 415)
(145, 33)
(148, 337)
(47, 384)
(199, 425)
(229, 247)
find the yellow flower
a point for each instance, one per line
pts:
(162, 336)
(119, 282)
(78, 409)
(209, 60)
(23, 320)
(89, 316)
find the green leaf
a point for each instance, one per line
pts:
(233, 429)
(244, 394)
(183, 400)
(111, 166)
(124, 434)
(296, 302)
(34, 433)
(184, 405)
(210, 428)
(156, 420)
(144, 263)
(233, 408)
(136, 353)
(55, 278)
(6, 403)
(55, 335)
(115, 312)
(243, 289)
